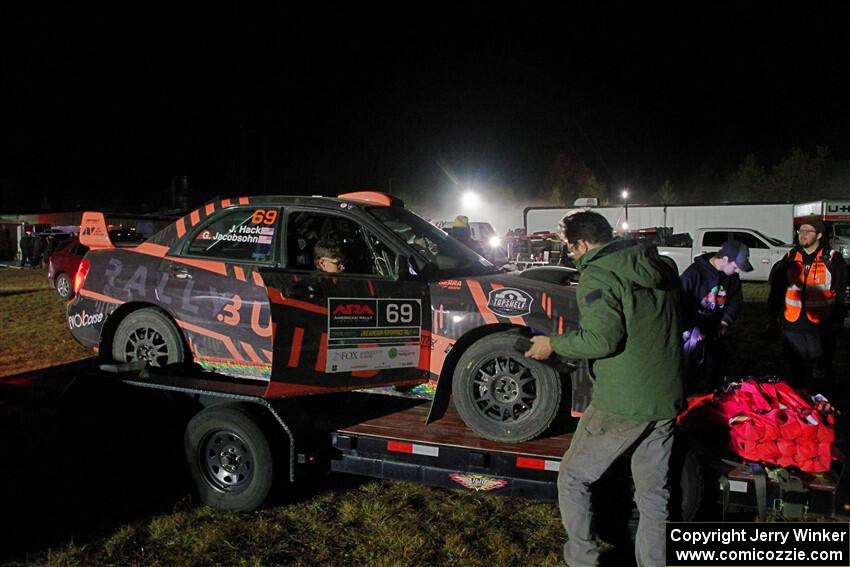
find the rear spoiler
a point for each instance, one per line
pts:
(93, 232)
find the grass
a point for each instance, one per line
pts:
(337, 520)
(33, 328)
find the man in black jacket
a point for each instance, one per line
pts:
(809, 300)
(711, 301)
(26, 249)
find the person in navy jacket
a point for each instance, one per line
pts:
(711, 301)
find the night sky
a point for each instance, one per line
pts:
(105, 109)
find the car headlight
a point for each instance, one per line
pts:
(495, 241)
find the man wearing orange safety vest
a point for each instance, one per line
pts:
(809, 300)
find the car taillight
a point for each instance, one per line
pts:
(80, 278)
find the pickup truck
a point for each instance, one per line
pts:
(765, 250)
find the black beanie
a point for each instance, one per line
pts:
(816, 224)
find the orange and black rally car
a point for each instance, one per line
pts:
(233, 288)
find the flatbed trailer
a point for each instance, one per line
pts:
(387, 437)
(446, 453)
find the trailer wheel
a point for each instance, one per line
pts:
(63, 286)
(230, 458)
(614, 493)
(500, 394)
(687, 485)
(147, 334)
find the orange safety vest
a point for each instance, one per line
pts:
(809, 286)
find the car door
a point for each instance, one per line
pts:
(339, 331)
(214, 290)
(762, 255)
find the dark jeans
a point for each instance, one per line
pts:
(809, 356)
(705, 365)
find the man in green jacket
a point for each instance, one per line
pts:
(630, 332)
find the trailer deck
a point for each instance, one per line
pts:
(447, 453)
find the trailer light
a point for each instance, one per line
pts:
(537, 464)
(495, 242)
(80, 277)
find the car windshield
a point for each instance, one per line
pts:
(774, 241)
(443, 255)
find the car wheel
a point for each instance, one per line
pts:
(500, 394)
(63, 286)
(230, 458)
(147, 335)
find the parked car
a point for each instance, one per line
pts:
(765, 251)
(62, 266)
(232, 289)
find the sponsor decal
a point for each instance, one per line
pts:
(353, 313)
(83, 319)
(373, 334)
(92, 231)
(452, 285)
(509, 302)
(478, 482)
(354, 309)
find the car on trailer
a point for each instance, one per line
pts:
(232, 288)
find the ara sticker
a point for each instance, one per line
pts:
(478, 482)
(509, 302)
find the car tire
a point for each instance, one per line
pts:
(500, 394)
(63, 286)
(148, 335)
(230, 458)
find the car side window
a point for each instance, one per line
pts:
(751, 240)
(715, 238)
(306, 228)
(241, 235)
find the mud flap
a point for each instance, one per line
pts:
(440, 403)
(582, 389)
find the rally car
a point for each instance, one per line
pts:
(232, 288)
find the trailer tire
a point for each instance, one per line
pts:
(500, 394)
(614, 493)
(230, 458)
(63, 286)
(687, 486)
(148, 334)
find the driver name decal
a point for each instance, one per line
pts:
(509, 302)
